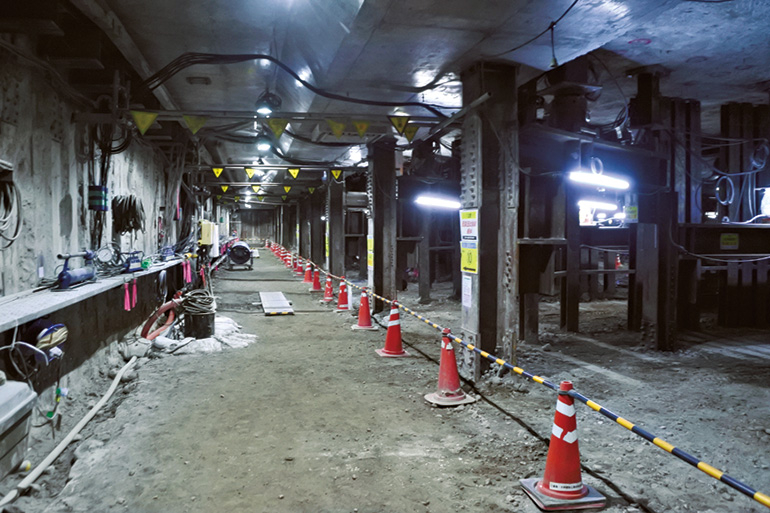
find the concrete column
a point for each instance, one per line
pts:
(489, 183)
(382, 187)
(336, 220)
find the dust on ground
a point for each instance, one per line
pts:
(309, 418)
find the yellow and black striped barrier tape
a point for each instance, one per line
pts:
(704, 467)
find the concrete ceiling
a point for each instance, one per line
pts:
(716, 51)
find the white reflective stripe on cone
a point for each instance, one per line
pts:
(565, 409)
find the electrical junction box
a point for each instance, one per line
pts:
(207, 233)
(16, 403)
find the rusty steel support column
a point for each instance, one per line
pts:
(489, 185)
(382, 187)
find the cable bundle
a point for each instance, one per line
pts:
(10, 207)
(127, 214)
(198, 302)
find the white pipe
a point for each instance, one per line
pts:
(32, 477)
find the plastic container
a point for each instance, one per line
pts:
(16, 403)
(199, 325)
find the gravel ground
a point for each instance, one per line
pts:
(309, 418)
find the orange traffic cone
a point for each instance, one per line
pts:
(316, 282)
(393, 347)
(328, 291)
(562, 486)
(364, 316)
(342, 298)
(449, 392)
(308, 274)
(298, 268)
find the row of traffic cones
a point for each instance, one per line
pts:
(561, 487)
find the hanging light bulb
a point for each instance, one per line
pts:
(263, 143)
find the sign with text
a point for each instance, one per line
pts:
(469, 241)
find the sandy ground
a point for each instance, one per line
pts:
(309, 419)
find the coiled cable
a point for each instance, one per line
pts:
(199, 302)
(10, 207)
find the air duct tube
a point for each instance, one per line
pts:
(240, 253)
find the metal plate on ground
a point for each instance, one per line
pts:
(275, 303)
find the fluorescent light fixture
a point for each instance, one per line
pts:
(589, 178)
(620, 215)
(597, 205)
(437, 202)
(601, 215)
(264, 109)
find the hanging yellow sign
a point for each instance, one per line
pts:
(410, 131)
(237, 198)
(361, 127)
(250, 172)
(225, 187)
(143, 120)
(261, 198)
(217, 171)
(287, 188)
(311, 190)
(256, 188)
(284, 197)
(399, 123)
(277, 125)
(219, 196)
(336, 174)
(194, 123)
(337, 127)
(294, 172)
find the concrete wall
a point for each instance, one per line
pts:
(39, 139)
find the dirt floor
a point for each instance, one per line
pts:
(309, 419)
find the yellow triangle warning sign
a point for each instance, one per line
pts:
(337, 127)
(294, 172)
(225, 187)
(256, 188)
(261, 198)
(250, 172)
(143, 120)
(194, 123)
(284, 197)
(361, 127)
(311, 189)
(287, 188)
(217, 171)
(237, 198)
(399, 123)
(219, 196)
(336, 173)
(277, 125)
(410, 131)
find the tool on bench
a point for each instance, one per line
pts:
(69, 278)
(133, 261)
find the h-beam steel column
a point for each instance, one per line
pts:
(489, 183)
(317, 227)
(335, 218)
(381, 185)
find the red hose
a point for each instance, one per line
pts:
(155, 316)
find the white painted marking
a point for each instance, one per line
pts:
(565, 409)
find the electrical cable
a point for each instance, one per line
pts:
(541, 34)
(10, 207)
(127, 214)
(193, 58)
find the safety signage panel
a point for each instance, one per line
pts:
(370, 252)
(728, 241)
(469, 241)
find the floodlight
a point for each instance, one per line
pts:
(599, 180)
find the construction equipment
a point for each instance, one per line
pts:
(69, 278)
(240, 254)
